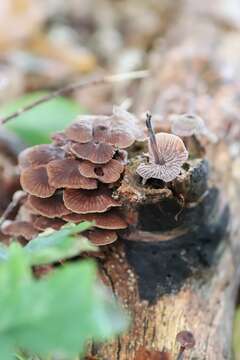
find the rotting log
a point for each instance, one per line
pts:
(178, 266)
(174, 270)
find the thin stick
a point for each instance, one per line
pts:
(80, 84)
(16, 200)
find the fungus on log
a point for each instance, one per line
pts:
(177, 268)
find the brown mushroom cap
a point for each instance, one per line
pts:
(97, 153)
(59, 138)
(88, 128)
(101, 130)
(42, 223)
(65, 173)
(106, 173)
(19, 228)
(110, 220)
(88, 201)
(50, 207)
(35, 182)
(80, 131)
(39, 155)
(101, 237)
(121, 137)
(186, 339)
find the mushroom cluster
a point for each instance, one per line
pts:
(72, 179)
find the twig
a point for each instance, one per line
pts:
(80, 84)
(17, 198)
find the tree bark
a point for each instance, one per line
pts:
(178, 266)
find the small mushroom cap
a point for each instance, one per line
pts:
(19, 228)
(110, 220)
(88, 201)
(35, 182)
(65, 174)
(121, 138)
(186, 339)
(96, 153)
(101, 130)
(80, 131)
(39, 155)
(187, 125)
(172, 155)
(122, 119)
(101, 237)
(50, 207)
(59, 138)
(106, 173)
(42, 223)
(89, 128)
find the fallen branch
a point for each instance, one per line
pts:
(108, 79)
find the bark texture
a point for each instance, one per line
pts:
(178, 266)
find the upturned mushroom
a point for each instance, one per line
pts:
(167, 154)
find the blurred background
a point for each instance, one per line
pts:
(46, 44)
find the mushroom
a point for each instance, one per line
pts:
(101, 237)
(59, 138)
(189, 126)
(49, 207)
(39, 155)
(167, 153)
(65, 174)
(98, 153)
(19, 228)
(42, 223)
(34, 180)
(106, 173)
(88, 201)
(123, 122)
(110, 220)
(87, 128)
(120, 129)
(186, 340)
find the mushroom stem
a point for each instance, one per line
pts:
(181, 353)
(152, 138)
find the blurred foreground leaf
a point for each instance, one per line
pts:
(36, 126)
(52, 246)
(57, 314)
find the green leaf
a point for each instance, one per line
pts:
(57, 314)
(52, 246)
(37, 125)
